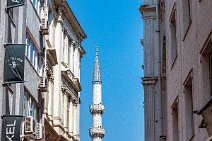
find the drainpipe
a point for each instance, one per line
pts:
(159, 65)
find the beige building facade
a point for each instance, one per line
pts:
(63, 57)
(177, 46)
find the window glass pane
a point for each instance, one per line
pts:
(31, 53)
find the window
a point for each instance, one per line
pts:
(173, 36)
(206, 61)
(29, 106)
(175, 121)
(68, 108)
(65, 47)
(69, 53)
(186, 15)
(32, 54)
(189, 108)
(9, 99)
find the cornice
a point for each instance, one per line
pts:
(149, 80)
(71, 18)
(71, 79)
(148, 11)
(82, 51)
(145, 8)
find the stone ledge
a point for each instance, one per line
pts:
(149, 80)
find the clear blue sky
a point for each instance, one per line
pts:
(116, 26)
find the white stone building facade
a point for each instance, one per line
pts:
(63, 56)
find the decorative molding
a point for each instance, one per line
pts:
(71, 79)
(68, 92)
(148, 11)
(81, 50)
(76, 137)
(67, 12)
(59, 14)
(149, 80)
(51, 52)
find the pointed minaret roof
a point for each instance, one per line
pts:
(96, 73)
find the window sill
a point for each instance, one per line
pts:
(187, 29)
(192, 137)
(173, 62)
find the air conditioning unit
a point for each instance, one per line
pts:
(39, 132)
(42, 83)
(43, 24)
(44, 27)
(29, 125)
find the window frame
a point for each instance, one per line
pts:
(188, 17)
(173, 35)
(210, 72)
(29, 106)
(32, 54)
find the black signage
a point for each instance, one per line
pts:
(11, 128)
(14, 63)
(15, 3)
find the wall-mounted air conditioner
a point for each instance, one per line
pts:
(42, 84)
(39, 132)
(44, 27)
(29, 125)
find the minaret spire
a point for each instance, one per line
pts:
(97, 132)
(96, 73)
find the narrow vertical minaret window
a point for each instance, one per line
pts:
(97, 132)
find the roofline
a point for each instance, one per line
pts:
(73, 20)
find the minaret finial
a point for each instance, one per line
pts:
(97, 48)
(96, 73)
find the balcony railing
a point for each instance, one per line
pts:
(97, 108)
(97, 132)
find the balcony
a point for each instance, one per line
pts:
(97, 132)
(71, 79)
(97, 108)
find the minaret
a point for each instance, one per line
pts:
(97, 109)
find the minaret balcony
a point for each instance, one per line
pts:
(97, 108)
(97, 132)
